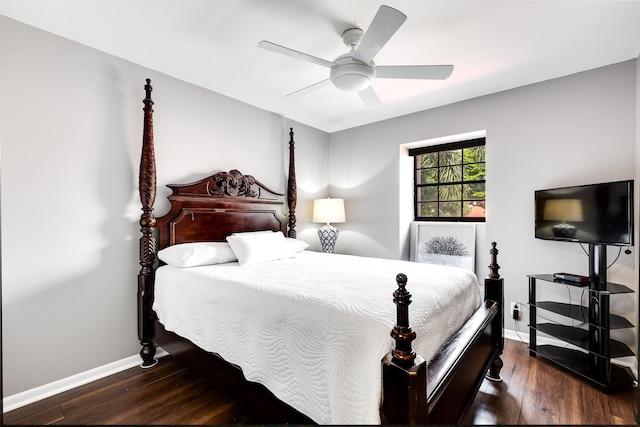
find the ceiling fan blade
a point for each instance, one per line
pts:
(294, 54)
(384, 25)
(309, 89)
(370, 97)
(435, 72)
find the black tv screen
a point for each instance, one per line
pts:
(596, 213)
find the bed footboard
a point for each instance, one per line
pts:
(442, 391)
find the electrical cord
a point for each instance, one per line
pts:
(574, 322)
(627, 251)
(515, 323)
(618, 256)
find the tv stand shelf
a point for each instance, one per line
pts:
(580, 338)
(589, 348)
(578, 362)
(581, 313)
(611, 288)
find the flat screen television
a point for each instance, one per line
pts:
(597, 214)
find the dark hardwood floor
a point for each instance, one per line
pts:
(537, 392)
(533, 392)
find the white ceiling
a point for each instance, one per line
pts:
(494, 45)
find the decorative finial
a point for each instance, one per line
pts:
(494, 267)
(402, 333)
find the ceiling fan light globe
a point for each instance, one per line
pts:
(352, 77)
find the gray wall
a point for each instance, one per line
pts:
(71, 126)
(578, 129)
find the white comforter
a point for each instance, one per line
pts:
(313, 329)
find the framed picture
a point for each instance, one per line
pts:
(445, 243)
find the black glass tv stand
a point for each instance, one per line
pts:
(589, 348)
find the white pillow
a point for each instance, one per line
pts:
(255, 248)
(249, 233)
(297, 245)
(195, 254)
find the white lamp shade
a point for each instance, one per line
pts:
(563, 210)
(328, 210)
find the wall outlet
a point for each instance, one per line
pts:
(516, 312)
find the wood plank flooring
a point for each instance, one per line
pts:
(537, 392)
(533, 392)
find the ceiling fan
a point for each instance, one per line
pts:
(355, 71)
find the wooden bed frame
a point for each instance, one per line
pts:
(228, 202)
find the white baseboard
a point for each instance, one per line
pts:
(516, 336)
(27, 397)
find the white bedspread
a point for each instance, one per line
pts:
(313, 329)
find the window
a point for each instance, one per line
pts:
(450, 181)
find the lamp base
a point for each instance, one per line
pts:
(328, 235)
(564, 231)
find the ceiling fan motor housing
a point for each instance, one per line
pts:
(351, 75)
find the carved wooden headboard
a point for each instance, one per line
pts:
(214, 207)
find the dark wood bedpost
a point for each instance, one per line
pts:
(146, 276)
(494, 291)
(292, 190)
(404, 374)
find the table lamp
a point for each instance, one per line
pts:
(328, 211)
(563, 210)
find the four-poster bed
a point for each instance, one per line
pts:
(232, 204)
